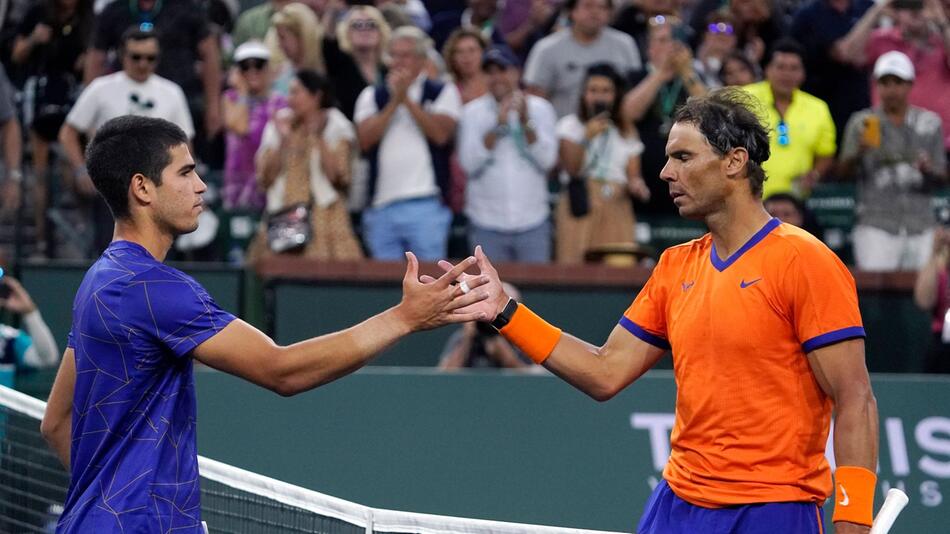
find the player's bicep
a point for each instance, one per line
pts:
(631, 355)
(840, 369)
(242, 350)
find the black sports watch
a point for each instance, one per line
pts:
(503, 318)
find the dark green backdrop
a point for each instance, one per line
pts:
(520, 448)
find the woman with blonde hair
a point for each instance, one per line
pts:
(354, 55)
(296, 42)
(304, 163)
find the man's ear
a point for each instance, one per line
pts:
(141, 190)
(734, 161)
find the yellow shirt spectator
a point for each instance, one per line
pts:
(808, 132)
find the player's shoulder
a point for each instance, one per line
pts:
(796, 243)
(159, 273)
(685, 251)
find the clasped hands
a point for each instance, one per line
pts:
(454, 297)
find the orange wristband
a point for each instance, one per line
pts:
(854, 495)
(532, 334)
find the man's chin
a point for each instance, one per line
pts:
(691, 214)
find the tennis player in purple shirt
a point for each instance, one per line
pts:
(122, 415)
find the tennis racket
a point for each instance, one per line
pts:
(895, 502)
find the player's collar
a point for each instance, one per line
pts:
(721, 265)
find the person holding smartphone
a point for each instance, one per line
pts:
(600, 152)
(32, 346)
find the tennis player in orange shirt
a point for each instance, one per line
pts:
(767, 341)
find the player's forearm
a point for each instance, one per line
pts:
(586, 367)
(56, 426)
(317, 361)
(856, 429)
(58, 438)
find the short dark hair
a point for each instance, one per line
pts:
(785, 45)
(126, 146)
(729, 118)
(136, 33)
(314, 83)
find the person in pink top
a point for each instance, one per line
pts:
(248, 105)
(921, 31)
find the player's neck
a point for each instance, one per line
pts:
(735, 224)
(156, 243)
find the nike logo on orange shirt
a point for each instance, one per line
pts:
(743, 284)
(844, 499)
(687, 285)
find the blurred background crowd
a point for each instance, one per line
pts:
(351, 129)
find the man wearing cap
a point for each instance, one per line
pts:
(921, 31)
(895, 152)
(507, 145)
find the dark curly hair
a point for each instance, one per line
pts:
(731, 118)
(126, 146)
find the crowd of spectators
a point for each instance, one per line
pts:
(344, 129)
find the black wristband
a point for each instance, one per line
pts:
(503, 318)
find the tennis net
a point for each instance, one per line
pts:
(233, 501)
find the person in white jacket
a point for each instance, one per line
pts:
(31, 346)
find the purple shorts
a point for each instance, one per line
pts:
(665, 513)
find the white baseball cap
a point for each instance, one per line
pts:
(251, 50)
(894, 63)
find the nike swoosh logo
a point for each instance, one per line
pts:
(687, 285)
(844, 499)
(743, 284)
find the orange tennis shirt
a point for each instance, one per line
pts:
(751, 420)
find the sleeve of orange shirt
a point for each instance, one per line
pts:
(824, 298)
(646, 317)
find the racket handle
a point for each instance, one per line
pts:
(895, 502)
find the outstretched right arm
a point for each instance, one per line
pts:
(244, 351)
(604, 371)
(600, 372)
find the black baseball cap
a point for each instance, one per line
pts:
(500, 56)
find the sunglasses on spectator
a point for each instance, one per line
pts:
(721, 27)
(782, 131)
(148, 58)
(363, 25)
(252, 64)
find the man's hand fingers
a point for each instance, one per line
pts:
(467, 300)
(484, 266)
(426, 279)
(466, 317)
(445, 265)
(456, 271)
(412, 268)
